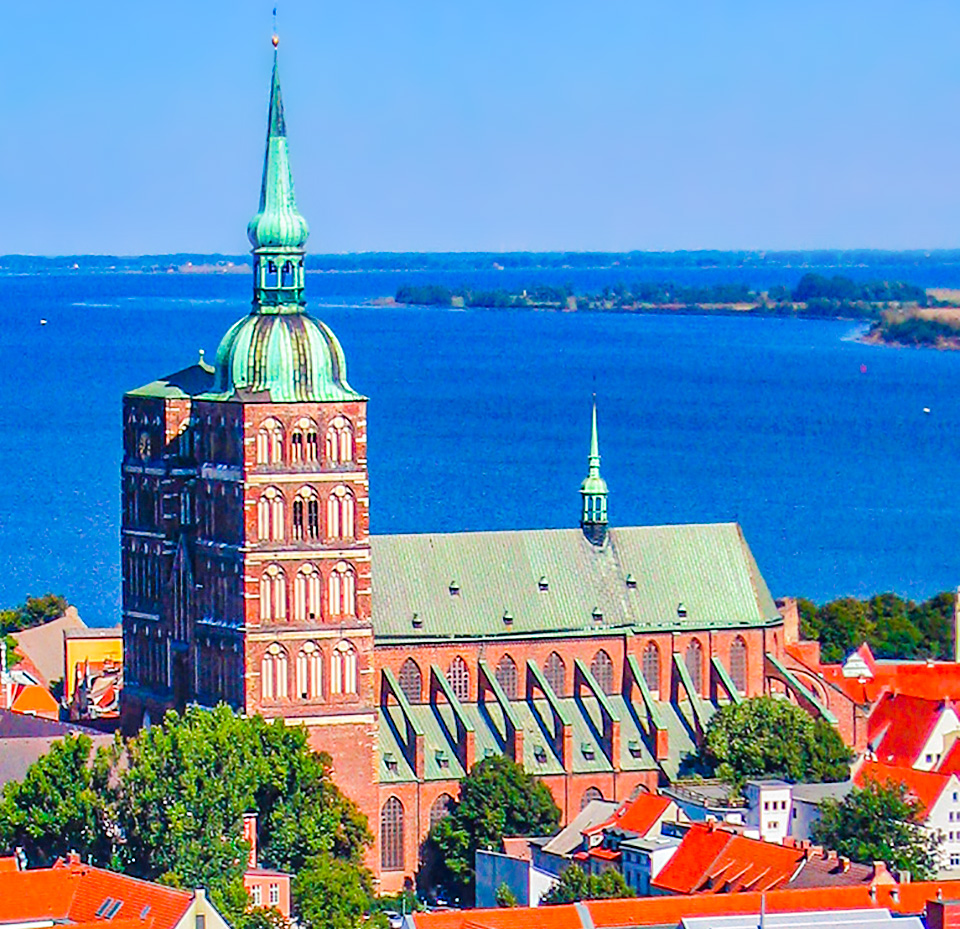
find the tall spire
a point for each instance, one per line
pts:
(593, 491)
(278, 233)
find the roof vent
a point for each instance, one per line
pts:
(634, 746)
(442, 758)
(454, 588)
(540, 753)
(390, 760)
(417, 621)
(488, 753)
(681, 610)
(597, 614)
(587, 749)
(102, 909)
(631, 582)
(507, 618)
(543, 583)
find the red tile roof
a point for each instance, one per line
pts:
(36, 700)
(638, 816)
(900, 726)
(715, 860)
(74, 892)
(926, 786)
(906, 899)
(935, 681)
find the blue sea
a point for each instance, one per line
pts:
(818, 445)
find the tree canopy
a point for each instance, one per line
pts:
(880, 822)
(497, 798)
(764, 736)
(575, 884)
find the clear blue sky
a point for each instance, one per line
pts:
(133, 127)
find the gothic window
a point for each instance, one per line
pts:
(303, 440)
(602, 670)
(555, 671)
(342, 590)
(270, 442)
(310, 672)
(339, 441)
(411, 681)
(391, 835)
(313, 518)
(506, 675)
(306, 593)
(343, 670)
(693, 659)
(306, 523)
(273, 673)
(440, 808)
(738, 664)
(273, 593)
(341, 514)
(270, 515)
(458, 676)
(286, 275)
(590, 794)
(298, 518)
(651, 666)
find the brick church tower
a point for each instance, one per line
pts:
(246, 559)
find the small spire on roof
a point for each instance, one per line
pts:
(593, 490)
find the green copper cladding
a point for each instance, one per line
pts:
(279, 351)
(593, 491)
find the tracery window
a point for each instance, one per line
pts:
(506, 675)
(590, 794)
(341, 514)
(391, 835)
(602, 670)
(458, 676)
(555, 671)
(339, 441)
(306, 593)
(693, 659)
(310, 672)
(651, 666)
(273, 593)
(306, 514)
(342, 590)
(273, 673)
(440, 808)
(270, 442)
(303, 440)
(343, 669)
(270, 515)
(411, 681)
(738, 664)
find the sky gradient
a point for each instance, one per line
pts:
(138, 127)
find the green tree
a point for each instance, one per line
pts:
(505, 897)
(58, 807)
(497, 798)
(333, 894)
(575, 884)
(844, 624)
(764, 736)
(34, 612)
(880, 822)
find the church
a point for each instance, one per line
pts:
(592, 655)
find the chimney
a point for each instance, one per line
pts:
(844, 864)
(880, 874)
(250, 835)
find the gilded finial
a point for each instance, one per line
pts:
(275, 39)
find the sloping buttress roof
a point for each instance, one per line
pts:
(460, 585)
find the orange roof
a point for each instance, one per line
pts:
(935, 681)
(639, 815)
(899, 727)
(32, 698)
(668, 911)
(926, 786)
(951, 761)
(716, 860)
(74, 892)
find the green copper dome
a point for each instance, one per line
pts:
(291, 356)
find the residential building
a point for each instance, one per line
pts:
(41, 647)
(768, 809)
(266, 886)
(93, 672)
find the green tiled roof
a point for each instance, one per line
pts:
(460, 585)
(190, 382)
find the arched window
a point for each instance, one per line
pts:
(273, 593)
(555, 671)
(411, 681)
(270, 442)
(270, 515)
(458, 676)
(693, 659)
(391, 835)
(306, 593)
(273, 673)
(602, 670)
(342, 590)
(440, 808)
(339, 441)
(506, 675)
(591, 793)
(310, 672)
(306, 522)
(341, 514)
(303, 440)
(738, 664)
(651, 666)
(343, 669)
